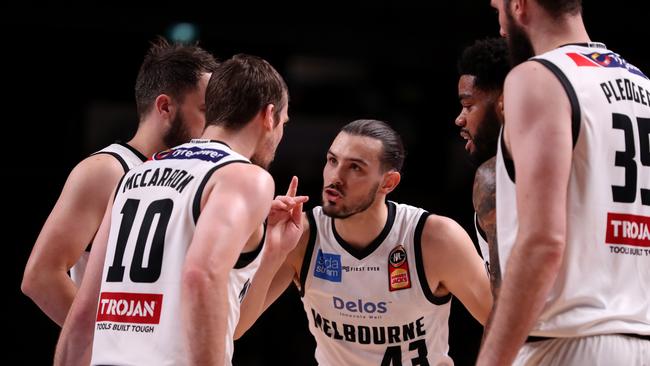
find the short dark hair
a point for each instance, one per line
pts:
(393, 154)
(239, 88)
(557, 8)
(488, 61)
(170, 68)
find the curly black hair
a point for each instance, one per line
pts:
(487, 60)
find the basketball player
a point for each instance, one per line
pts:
(573, 196)
(170, 99)
(375, 276)
(483, 67)
(173, 252)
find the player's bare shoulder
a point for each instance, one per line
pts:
(95, 174)
(441, 237)
(249, 179)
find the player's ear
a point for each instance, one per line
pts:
(390, 181)
(267, 117)
(163, 106)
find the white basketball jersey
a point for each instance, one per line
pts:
(128, 158)
(603, 284)
(157, 205)
(374, 306)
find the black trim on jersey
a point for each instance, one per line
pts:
(133, 150)
(362, 253)
(419, 264)
(507, 160)
(222, 143)
(196, 205)
(205, 141)
(116, 156)
(248, 257)
(479, 228)
(571, 93)
(306, 261)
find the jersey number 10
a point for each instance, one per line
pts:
(138, 272)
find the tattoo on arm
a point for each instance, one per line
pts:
(484, 199)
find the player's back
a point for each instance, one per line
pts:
(602, 284)
(153, 220)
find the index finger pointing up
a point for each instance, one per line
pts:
(293, 187)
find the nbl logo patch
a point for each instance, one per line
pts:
(398, 269)
(328, 266)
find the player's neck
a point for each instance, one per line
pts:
(361, 229)
(146, 140)
(242, 141)
(554, 34)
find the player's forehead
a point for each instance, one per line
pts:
(466, 84)
(355, 147)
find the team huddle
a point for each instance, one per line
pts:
(175, 244)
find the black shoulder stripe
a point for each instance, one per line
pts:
(306, 261)
(117, 188)
(419, 264)
(196, 204)
(133, 150)
(248, 257)
(116, 156)
(507, 160)
(571, 93)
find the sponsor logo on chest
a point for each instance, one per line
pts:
(328, 266)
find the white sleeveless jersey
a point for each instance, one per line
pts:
(128, 158)
(157, 205)
(603, 284)
(374, 306)
(482, 244)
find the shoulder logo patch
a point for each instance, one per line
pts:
(398, 269)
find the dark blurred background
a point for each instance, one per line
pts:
(68, 76)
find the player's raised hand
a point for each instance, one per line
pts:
(284, 225)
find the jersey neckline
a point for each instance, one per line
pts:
(133, 150)
(586, 44)
(198, 141)
(363, 253)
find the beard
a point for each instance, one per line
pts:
(486, 137)
(177, 133)
(264, 157)
(344, 212)
(519, 46)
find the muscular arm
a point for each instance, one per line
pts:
(75, 342)
(67, 232)
(234, 204)
(450, 260)
(538, 131)
(484, 199)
